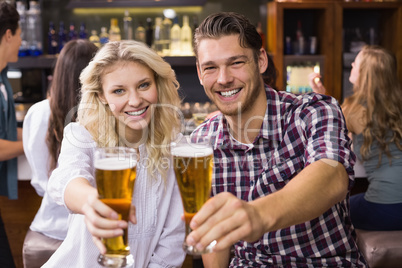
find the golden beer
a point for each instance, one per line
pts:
(193, 169)
(115, 177)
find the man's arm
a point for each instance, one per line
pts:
(10, 149)
(216, 260)
(228, 219)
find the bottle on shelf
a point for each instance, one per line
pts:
(166, 27)
(261, 33)
(34, 29)
(175, 38)
(103, 36)
(83, 31)
(72, 34)
(299, 39)
(157, 44)
(186, 38)
(140, 34)
(94, 38)
(149, 33)
(62, 36)
(23, 50)
(114, 31)
(52, 39)
(127, 26)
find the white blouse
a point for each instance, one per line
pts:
(51, 219)
(155, 241)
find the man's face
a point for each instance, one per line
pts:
(15, 43)
(229, 74)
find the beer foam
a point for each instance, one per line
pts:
(192, 151)
(115, 163)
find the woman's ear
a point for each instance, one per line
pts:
(102, 99)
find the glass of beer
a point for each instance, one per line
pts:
(115, 172)
(193, 162)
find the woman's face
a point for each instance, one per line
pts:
(130, 90)
(354, 74)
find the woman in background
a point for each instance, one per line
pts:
(373, 116)
(42, 134)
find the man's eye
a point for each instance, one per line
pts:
(209, 68)
(238, 62)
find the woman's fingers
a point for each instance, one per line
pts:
(98, 243)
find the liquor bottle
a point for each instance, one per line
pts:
(261, 33)
(52, 39)
(83, 31)
(72, 34)
(34, 29)
(127, 26)
(175, 33)
(186, 38)
(149, 33)
(114, 31)
(299, 39)
(23, 50)
(166, 27)
(140, 34)
(62, 36)
(104, 36)
(94, 38)
(157, 45)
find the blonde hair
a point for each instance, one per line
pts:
(378, 95)
(98, 118)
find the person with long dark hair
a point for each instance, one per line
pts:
(43, 131)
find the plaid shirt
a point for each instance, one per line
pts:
(296, 131)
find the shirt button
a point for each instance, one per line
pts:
(283, 175)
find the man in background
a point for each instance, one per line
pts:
(10, 136)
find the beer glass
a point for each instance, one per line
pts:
(193, 162)
(115, 171)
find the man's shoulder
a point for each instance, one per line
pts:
(210, 126)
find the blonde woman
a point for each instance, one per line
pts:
(129, 98)
(373, 116)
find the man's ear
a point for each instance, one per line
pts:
(263, 61)
(8, 35)
(199, 74)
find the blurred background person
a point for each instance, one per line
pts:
(43, 128)
(10, 136)
(373, 117)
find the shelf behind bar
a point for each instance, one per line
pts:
(132, 3)
(48, 62)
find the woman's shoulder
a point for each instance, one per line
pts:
(77, 135)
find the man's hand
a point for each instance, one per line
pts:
(226, 219)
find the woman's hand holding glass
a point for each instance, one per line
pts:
(102, 221)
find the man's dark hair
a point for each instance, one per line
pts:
(9, 18)
(229, 23)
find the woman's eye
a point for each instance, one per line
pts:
(118, 91)
(144, 85)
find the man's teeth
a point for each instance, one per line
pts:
(137, 113)
(230, 93)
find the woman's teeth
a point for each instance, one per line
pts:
(137, 113)
(230, 93)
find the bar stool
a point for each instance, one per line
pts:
(381, 248)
